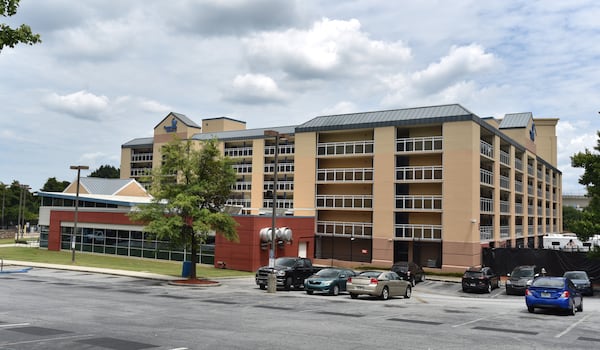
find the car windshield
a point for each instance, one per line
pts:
(328, 273)
(473, 274)
(285, 262)
(401, 266)
(370, 274)
(549, 283)
(522, 273)
(576, 275)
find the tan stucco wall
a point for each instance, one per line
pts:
(125, 169)
(546, 140)
(304, 177)
(134, 190)
(258, 175)
(221, 124)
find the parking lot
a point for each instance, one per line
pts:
(54, 309)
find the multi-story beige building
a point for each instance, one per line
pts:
(431, 184)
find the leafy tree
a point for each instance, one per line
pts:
(53, 185)
(106, 172)
(9, 36)
(190, 190)
(13, 196)
(589, 223)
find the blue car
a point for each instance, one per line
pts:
(553, 293)
(329, 280)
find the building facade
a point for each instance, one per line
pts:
(431, 184)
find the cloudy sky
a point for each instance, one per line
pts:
(109, 71)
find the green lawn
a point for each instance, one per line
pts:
(162, 267)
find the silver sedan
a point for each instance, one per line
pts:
(383, 284)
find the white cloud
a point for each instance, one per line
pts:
(328, 48)
(255, 88)
(80, 104)
(341, 107)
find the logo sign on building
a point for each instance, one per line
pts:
(532, 132)
(172, 127)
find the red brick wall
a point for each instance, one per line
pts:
(249, 255)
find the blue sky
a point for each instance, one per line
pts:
(109, 71)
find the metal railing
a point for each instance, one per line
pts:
(282, 185)
(420, 144)
(421, 232)
(504, 207)
(283, 150)
(504, 232)
(341, 228)
(486, 233)
(281, 203)
(242, 186)
(236, 152)
(345, 148)
(282, 167)
(242, 168)
(141, 157)
(486, 205)
(518, 164)
(504, 158)
(417, 203)
(420, 173)
(345, 174)
(486, 177)
(505, 182)
(486, 149)
(345, 201)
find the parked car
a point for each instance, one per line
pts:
(553, 292)
(409, 271)
(520, 278)
(384, 284)
(330, 280)
(289, 271)
(581, 281)
(481, 279)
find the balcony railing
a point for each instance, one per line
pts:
(486, 233)
(345, 201)
(345, 148)
(518, 208)
(280, 202)
(141, 157)
(530, 230)
(518, 231)
(505, 182)
(420, 173)
(486, 205)
(283, 150)
(242, 186)
(139, 172)
(504, 232)
(529, 169)
(420, 144)
(518, 186)
(345, 174)
(504, 158)
(239, 201)
(242, 168)
(281, 167)
(419, 203)
(518, 164)
(419, 232)
(349, 229)
(236, 152)
(282, 185)
(486, 149)
(505, 207)
(486, 177)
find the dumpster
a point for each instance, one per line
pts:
(186, 270)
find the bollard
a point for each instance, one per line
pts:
(272, 283)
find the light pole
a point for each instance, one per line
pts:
(78, 168)
(272, 280)
(21, 211)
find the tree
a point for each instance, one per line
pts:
(190, 190)
(9, 36)
(588, 224)
(106, 172)
(15, 197)
(53, 185)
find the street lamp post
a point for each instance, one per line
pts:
(272, 280)
(78, 168)
(21, 211)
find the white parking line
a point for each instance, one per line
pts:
(13, 325)
(572, 326)
(473, 321)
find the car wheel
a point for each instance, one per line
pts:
(580, 307)
(353, 296)
(288, 283)
(407, 292)
(423, 278)
(531, 309)
(309, 292)
(335, 290)
(262, 286)
(385, 293)
(489, 287)
(465, 290)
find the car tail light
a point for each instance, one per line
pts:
(527, 292)
(374, 281)
(349, 279)
(565, 294)
(408, 273)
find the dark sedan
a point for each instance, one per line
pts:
(409, 271)
(581, 281)
(331, 281)
(553, 293)
(481, 279)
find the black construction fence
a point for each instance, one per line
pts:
(556, 262)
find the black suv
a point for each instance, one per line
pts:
(520, 278)
(409, 271)
(481, 279)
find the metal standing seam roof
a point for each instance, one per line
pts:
(101, 186)
(184, 119)
(515, 120)
(418, 115)
(246, 134)
(143, 141)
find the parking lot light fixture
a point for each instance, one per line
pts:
(78, 168)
